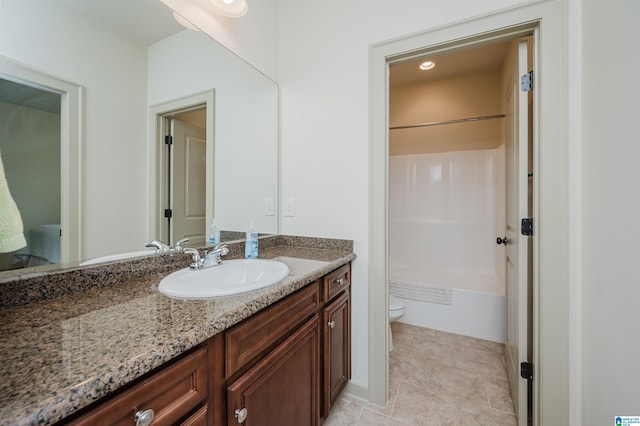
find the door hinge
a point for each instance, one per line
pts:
(526, 226)
(526, 82)
(168, 140)
(526, 370)
(168, 213)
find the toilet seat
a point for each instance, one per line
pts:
(395, 304)
(396, 311)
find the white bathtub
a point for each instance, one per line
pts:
(478, 308)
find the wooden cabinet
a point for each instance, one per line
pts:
(176, 394)
(285, 365)
(262, 331)
(336, 342)
(336, 354)
(281, 389)
(336, 282)
(298, 381)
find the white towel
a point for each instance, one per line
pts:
(11, 230)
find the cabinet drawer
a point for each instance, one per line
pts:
(336, 281)
(263, 330)
(171, 393)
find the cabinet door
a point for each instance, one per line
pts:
(336, 349)
(282, 389)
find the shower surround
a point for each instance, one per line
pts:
(445, 212)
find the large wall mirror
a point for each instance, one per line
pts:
(138, 73)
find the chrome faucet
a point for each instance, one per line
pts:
(159, 246)
(165, 248)
(210, 258)
(178, 248)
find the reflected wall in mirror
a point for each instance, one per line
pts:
(126, 69)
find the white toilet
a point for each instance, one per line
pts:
(396, 311)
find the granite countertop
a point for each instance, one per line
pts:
(60, 354)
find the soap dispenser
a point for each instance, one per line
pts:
(251, 245)
(214, 235)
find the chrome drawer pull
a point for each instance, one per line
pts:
(144, 418)
(241, 415)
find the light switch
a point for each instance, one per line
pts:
(269, 207)
(290, 207)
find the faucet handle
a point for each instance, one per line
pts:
(195, 256)
(221, 249)
(180, 243)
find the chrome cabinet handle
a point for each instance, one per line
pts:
(331, 324)
(144, 418)
(340, 280)
(241, 415)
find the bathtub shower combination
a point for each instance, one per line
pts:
(445, 211)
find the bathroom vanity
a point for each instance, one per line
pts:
(280, 355)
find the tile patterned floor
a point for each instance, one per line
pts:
(439, 379)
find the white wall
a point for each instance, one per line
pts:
(252, 36)
(245, 122)
(610, 211)
(323, 76)
(113, 150)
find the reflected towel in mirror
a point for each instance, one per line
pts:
(11, 231)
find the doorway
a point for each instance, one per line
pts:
(41, 151)
(552, 363)
(181, 146)
(184, 176)
(452, 123)
(30, 152)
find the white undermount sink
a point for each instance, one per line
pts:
(228, 278)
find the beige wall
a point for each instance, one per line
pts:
(472, 95)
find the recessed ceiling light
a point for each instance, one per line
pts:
(427, 65)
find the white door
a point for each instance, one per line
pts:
(516, 148)
(188, 171)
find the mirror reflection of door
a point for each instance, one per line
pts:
(30, 147)
(186, 178)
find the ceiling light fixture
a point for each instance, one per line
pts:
(231, 8)
(184, 22)
(427, 65)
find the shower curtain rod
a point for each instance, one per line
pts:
(439, 123)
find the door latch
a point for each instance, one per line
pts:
(526, 226)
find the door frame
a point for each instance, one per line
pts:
(551, 203)
(71, 132)
(156, 123)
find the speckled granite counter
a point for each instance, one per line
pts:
(61, 353)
